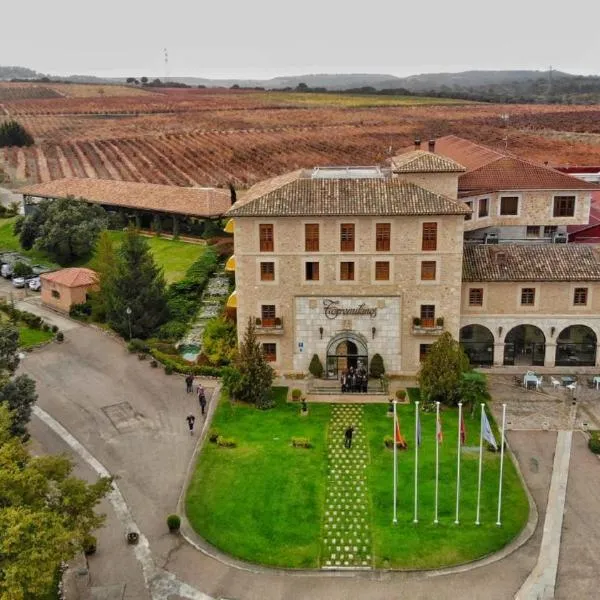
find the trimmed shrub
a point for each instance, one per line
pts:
(89, 545)
(60, 336)
(45, 327)
(136, 345)
(301, 442)
(224, 442)
(142, 356)
(377, 368)
(173, 522)
(400, 395)
(168, 370)
(54, 328)
(417, 321)
(439, 321)
(154, 363)
(80, 310)
(179, 365)
(316, 367)
(594, 444)
(213, 436)
(296, 394)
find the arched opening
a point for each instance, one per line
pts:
(576, 346)
(525, 345)
(346, 350)
(478, 343)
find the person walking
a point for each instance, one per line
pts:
(189, 382)
(202, 398)
(348, 437)
(191, 419)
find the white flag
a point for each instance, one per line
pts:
(488, 436)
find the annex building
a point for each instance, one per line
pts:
(351, 261)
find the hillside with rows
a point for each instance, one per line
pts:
(193, 137)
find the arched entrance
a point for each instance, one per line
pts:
(478, 343)
(346, 350)
(576, 345)
(525, 345)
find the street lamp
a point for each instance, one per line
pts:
(128, 311)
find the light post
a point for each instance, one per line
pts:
(128, 311)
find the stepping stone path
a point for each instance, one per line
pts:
(346, 534)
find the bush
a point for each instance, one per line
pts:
(172, 330)
(594, 444)
(136, 345)
(154, 363)
(377, 368)
(60, 336)
(12, 133)
(301, 442)
(80, 310)
(224, 442)
(142, 356)
(213, 436)
(179, 365)
(439, 321)
(316, 367)
(417, 321)
(54, 328)
(45, 327)
(296, 394)
(89, 545)
(400, 395)
(173, 522)
(168, 370)
(22, 269)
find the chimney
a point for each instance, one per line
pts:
(431, 145)
(501, 259)
(417, 144)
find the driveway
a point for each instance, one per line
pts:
(132, 419)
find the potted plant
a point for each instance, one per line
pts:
(417, 321)
(277, 321)
(296, 394)
(173, 523)
(439, 321)
(400, 395)
(60, 336)
(258, 321)
(133, 537)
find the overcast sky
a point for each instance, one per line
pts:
(265, 38)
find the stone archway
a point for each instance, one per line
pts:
(345, 350)
(525, 345)
(576, 346)
(478, 343)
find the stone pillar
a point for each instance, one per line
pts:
(550, 355)
(138, 221)
(499, 354)
(175, 226)
(598, 355)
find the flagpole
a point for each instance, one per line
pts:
(416, 519)
(456, 521)
(477, 522)
(395, 519)
(437, 458)
(498, 521)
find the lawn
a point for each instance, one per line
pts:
(32, 337)
(10, 242)
(264, 501)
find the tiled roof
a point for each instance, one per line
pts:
(195, 202)
(419, 161)
(466, 152)
(311, 197)
(531, 262)
(72, 277)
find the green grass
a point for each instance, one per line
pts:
(263, 501)
(173, 256)
(32, 337)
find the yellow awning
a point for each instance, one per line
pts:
(232, 300)
(229, 227)
(230, 264)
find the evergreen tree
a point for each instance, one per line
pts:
(377, 368)
(9, 346)
(256, 373)
(441, 374)
(104, 265)
(12, 133)
(316, 367)
(18, 395)
(138, 284)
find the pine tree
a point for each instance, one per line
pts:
(377, 369)
(138, 284)
(104, 265)
(257, 374)
(12, 133)
(316, 367)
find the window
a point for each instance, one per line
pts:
(270, 352)
(484, 207)
(470, 215)
(311, 237)
(528, 296)
(267, 315)
(55, 294)
(509, 205)
(550, 230)
(382, 270)
(266, 238)
(382, 237)
(476, 297)
(429, 236)
(347, 271)
(347, 237)
(427, 315)
(312, 271)
(564, 206)
(580, 297)
(533, 231)
(428, 268)
(423, 351)
(267, 271)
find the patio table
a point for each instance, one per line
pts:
(530, 378)
(596, 381)
(567, 380)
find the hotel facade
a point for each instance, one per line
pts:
(348, 262)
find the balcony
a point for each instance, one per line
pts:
(428, 326)
(271, 326)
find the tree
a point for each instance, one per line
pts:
(66, 229)
(473, 391)
(232, 380)
(256, 374)
(219, 341)
(18, 395)
(138, 284)
(316, 366)
(46, 515)
(104, 265)
(130, 80)
(441, 374)
(12, 133)
(377, 369)
(144, 80)
(9, 346)
(22, 269)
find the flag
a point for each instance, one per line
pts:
(418, 428)
(398, 435)
(488, 436)
(438, 430)
(463, 430)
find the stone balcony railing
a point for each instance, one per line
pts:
(425, 328)
(269, 326)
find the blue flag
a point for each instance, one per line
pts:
(488, 436)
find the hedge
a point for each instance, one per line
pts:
(179, 365)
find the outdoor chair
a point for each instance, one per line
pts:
(555, 382)
(540, 381)
(572, 386)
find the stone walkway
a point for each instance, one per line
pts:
(346, 539)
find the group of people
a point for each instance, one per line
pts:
(189, 388)
(355, 380)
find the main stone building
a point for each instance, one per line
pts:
(348, 262)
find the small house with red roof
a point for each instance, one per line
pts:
(62, 289)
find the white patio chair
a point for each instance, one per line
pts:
(540, 380)
(555, 382)
(572, 386)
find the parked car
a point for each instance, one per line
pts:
(6, 270)
(19, 282)
(35, 284)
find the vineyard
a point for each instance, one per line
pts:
(212, 137)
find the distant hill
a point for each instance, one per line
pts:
(8, 73)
